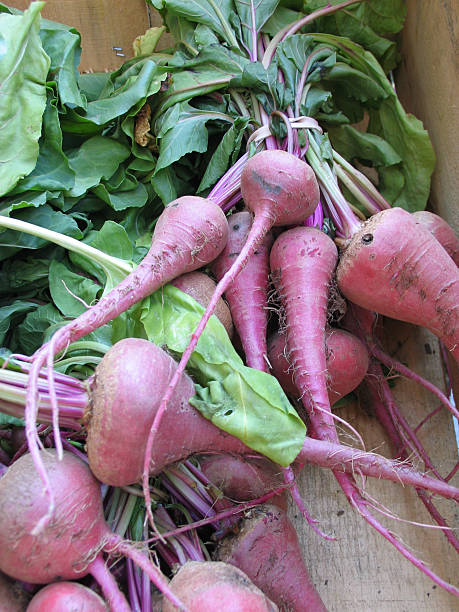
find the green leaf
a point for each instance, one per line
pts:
(31, 333)
(383, 16)
(71, 293)
(120, 200)
(247, 403)
(258, 79)
(10, 313)
(253, 15)
(12, 241)
(30, 199)
(367, 148)
(145, 44)
(111, 239)
(282, 17)
(203, 36)
(183, 130)
(389, 121)
(182, 31)
(225, 153)
(23, 276)
(213, 13)
(367, 24)
(52, 170)
(6, 421)
(164, 184)
(354, 83)
(411, 141)
(91, 84)
(23, 69)
(63, 45)
(97, 158)
(124, 90)
(210, 70)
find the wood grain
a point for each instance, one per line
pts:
(103, 25)
(428, 85)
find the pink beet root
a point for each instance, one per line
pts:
(267, 549)
(210, 586)
(56, 554)
(127, 389)
(244, 478)
(66, 597)
(281, 186)
(395, 267)
(247, 294)
(347, 363)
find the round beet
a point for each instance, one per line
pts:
(347, 363)
(209, 586)
(281, 183)
(42, 544)
(73, 536)
(66, 597)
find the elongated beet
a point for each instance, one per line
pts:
(190, 233)
(279, 189)
(267, 549)
(395, 267)
(247, 295)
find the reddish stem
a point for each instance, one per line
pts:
(107, 583)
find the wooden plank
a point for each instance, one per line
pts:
(103, 25)
(428, 86)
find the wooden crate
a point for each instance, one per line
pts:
(360, 572)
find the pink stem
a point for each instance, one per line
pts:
(105, 579)
(427, 418)
(346, 459)
(373, 385)
(388, 361)
(157, 578)
(221, 515)
(289, 478)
